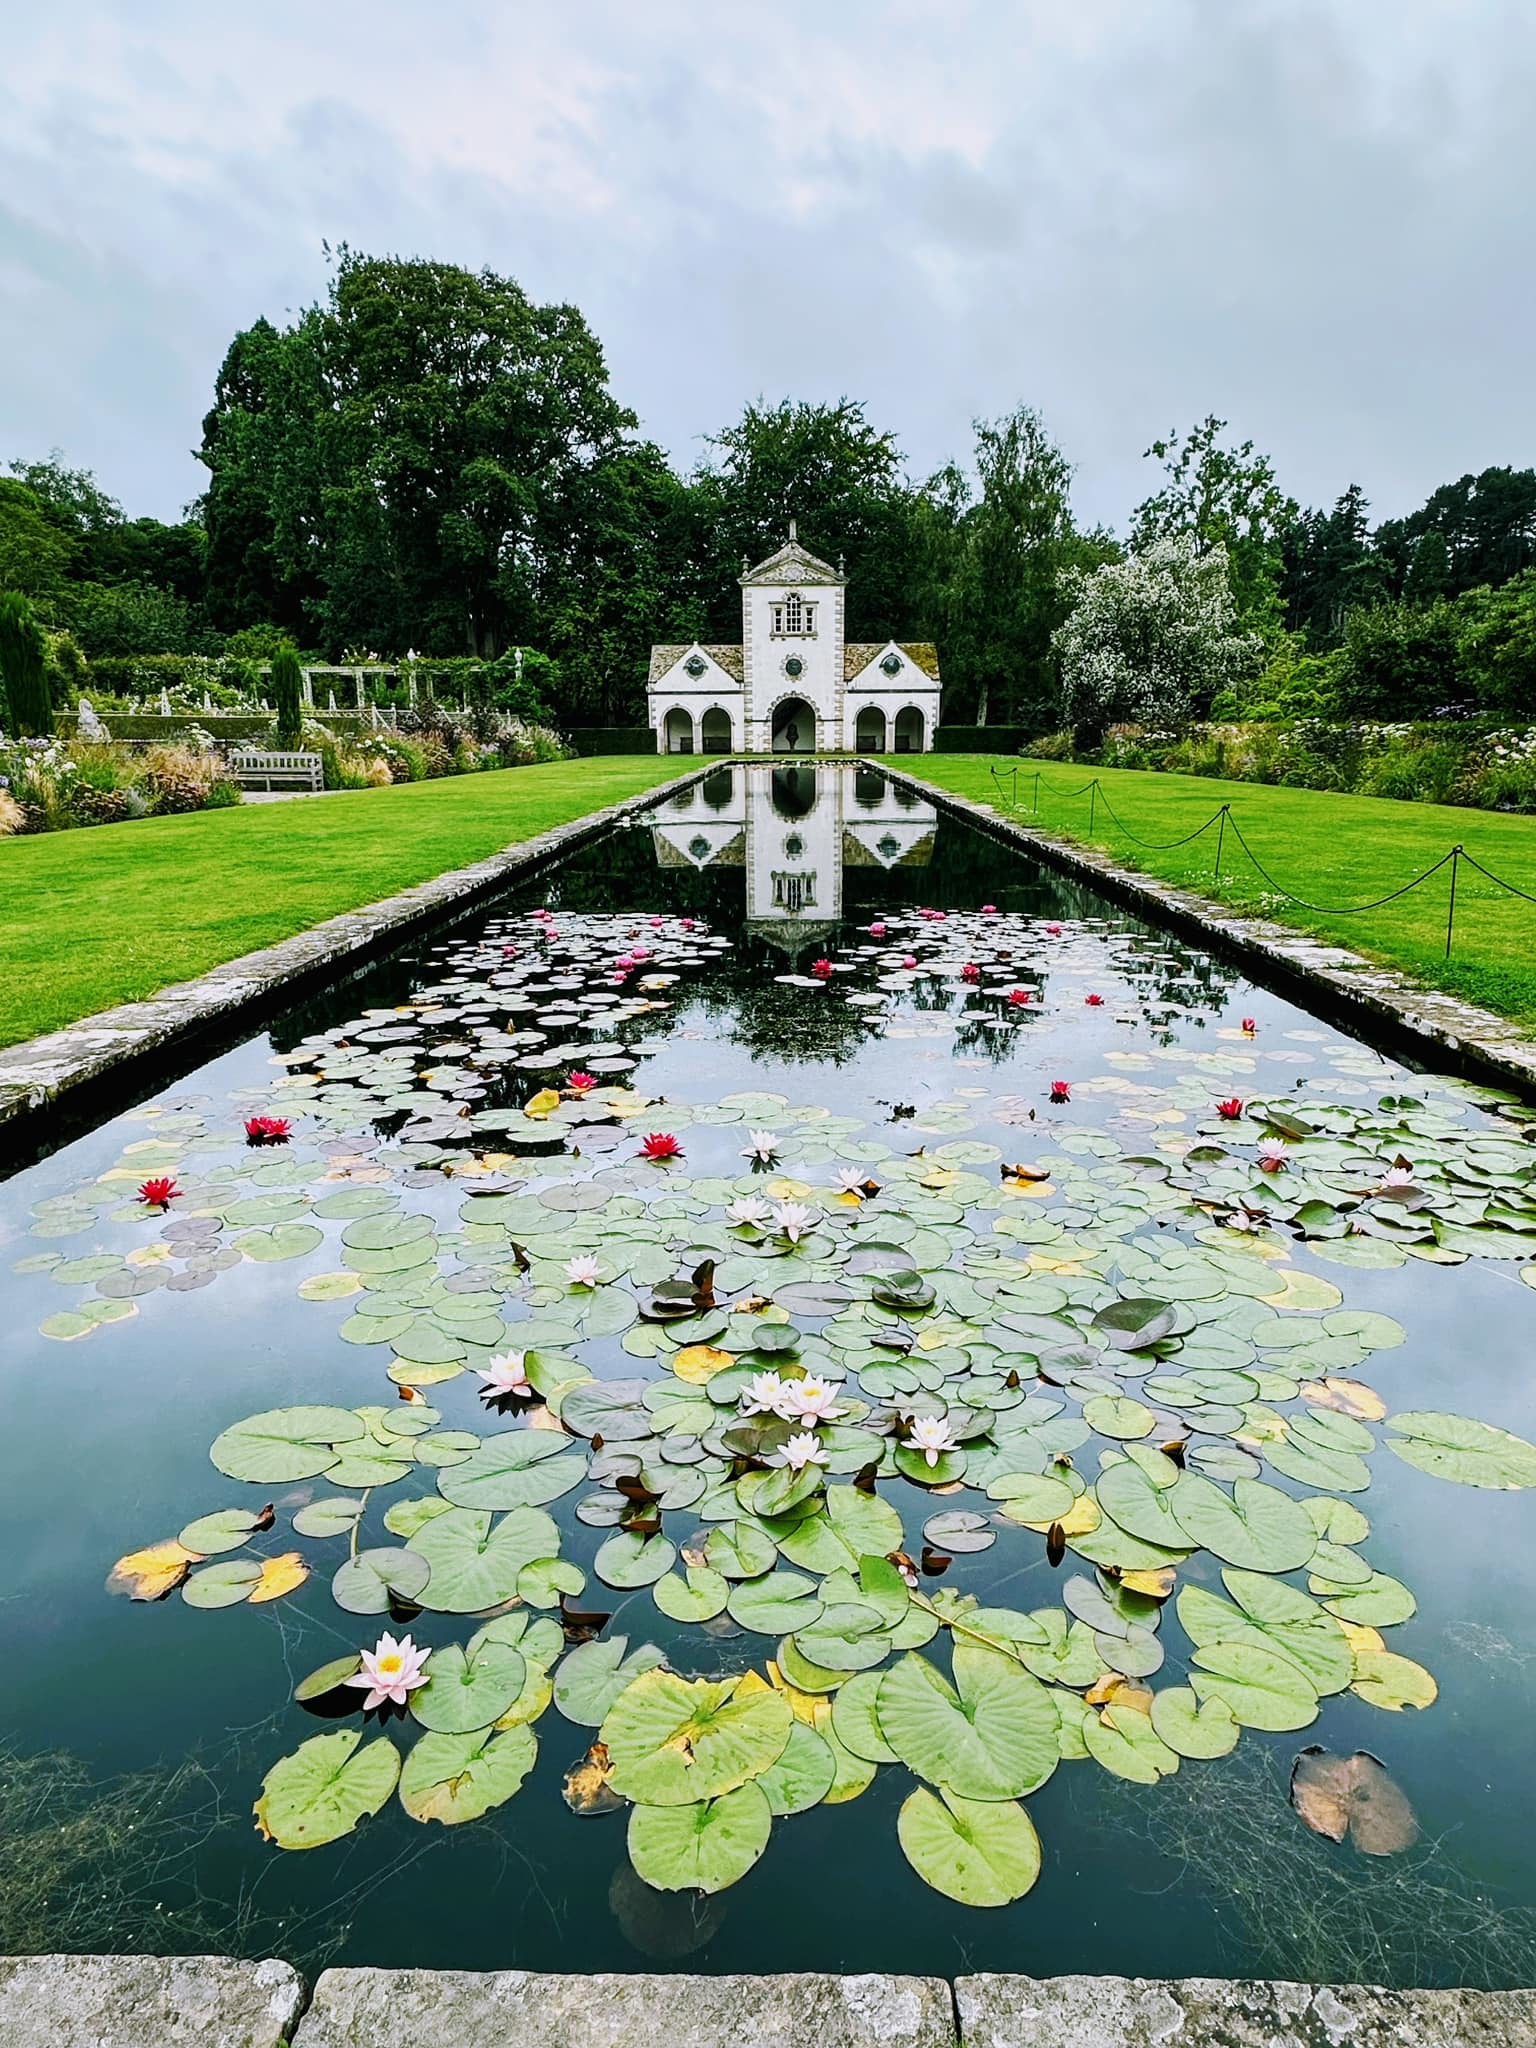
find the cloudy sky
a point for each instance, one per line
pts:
(1316, 218)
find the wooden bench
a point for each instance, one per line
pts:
(252, 768)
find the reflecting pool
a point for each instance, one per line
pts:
(899, 1400)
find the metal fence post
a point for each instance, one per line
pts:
(1221, 838)
(1037, 793)
(1093, 803)
(1450, 914)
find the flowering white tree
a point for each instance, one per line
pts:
(1151, 639)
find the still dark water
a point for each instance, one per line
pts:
(135, 1736)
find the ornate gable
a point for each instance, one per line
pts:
(792, 563)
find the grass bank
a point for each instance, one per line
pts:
(1333, 850)
(94, 918)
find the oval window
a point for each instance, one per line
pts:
(892, 664)
(794, 666)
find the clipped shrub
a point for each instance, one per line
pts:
(287, 684)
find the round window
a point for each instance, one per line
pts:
(794, 666)
(892, 664)
(698, 846)
(794, 846)
(695, 665)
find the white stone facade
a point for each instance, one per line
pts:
(795, 685)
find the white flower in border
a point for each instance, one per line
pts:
(810, 1400)
(932, 1435)
(582, 1270)
(761, 1145)
(794, 1219)
(507, 1374)
(749, 1209)
(764, 1395)
(391, 1671)
(802, 1450)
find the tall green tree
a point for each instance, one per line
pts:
(842, 481)
(35, 555)
(1486, 522)
(1330, 568)
(1497, 646)
(1400, 661)
(1005, 591)
(23, 667)
(1228, 498)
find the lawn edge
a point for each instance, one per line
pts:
(64, 1074)
(1381, 1001)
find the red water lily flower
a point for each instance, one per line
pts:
(267, 1130)
(1231, 1109)
(989, 910)
(1094, 1002)
(909, 960)
(1250, 1025)
(970, 971)
(1020, 996)
(661, 1145)
(877, 931)
(159, 1193)
(1054, 930)
(581, 1082)
(823, 968)
(1061, 1091)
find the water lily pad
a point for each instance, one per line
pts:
(282, 1241)
(466, 1691)
(1191, 1729)
(1338, 1796)
(1262, 1688)
(979, 1852)
(1256, 1525)
(475, 1561)
(283, 1444)
(674, 1741)
(594, 1675)
(701, 1847)
(1455, 1447)
(698, 1594)
(511, 1469)
(994, 1738)
(224, 1584)
(454, 1778)
(324, 1790)
(375, 1580)
(803, 1775)
(224, 1529)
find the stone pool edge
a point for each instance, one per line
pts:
(1354, 989)
(217, 2002)
(40, 1077)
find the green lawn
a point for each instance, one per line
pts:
(102, 916)
(1331, 849)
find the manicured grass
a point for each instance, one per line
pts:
(1330, 849)
(105, 915)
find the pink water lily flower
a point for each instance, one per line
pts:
(582, 1270)
(932, 1435)
(802, 1450)
(989, 910)
(391, 1671)
(581, 1082)
(909, 960)
(1273, 1156)
(970, 971)
(1054, 930)
(810, 1400)
(507, 1373)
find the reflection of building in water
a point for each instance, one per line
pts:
(794, 683)
(794, 829)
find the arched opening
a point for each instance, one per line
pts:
(869, 730)
(678, 731)
(719, 787)
(794, 791)
(909, 730)
(715, 731)
(869, 787)
(794, 727)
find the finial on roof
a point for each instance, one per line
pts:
(792, 533)
(743, 565)
(842, 565)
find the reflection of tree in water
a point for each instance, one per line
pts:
(775, 1022)
(1306, 1910)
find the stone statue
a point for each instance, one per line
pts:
(91, 727)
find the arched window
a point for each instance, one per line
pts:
(869, 730)
(678, 731)
(715, 731)
(909, 730)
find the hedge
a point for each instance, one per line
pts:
(613, 739)
(979, 739)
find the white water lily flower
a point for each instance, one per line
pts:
(763, 1145)
(810, 1400)
(507, 1374)
(801, 1451)
(1397, 1177)
(850, 1180)
(391, 1671)
(932, 1435)
(764, 1395)
(794, 1219)
(1273, 1155)
(749, 1209)
(582, 1270)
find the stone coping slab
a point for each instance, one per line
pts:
(112, 1051)
(519, 2009)
(1439, 1029)
(1209, 2012)
(147, 2002)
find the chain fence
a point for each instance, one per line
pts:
(1223, 820)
